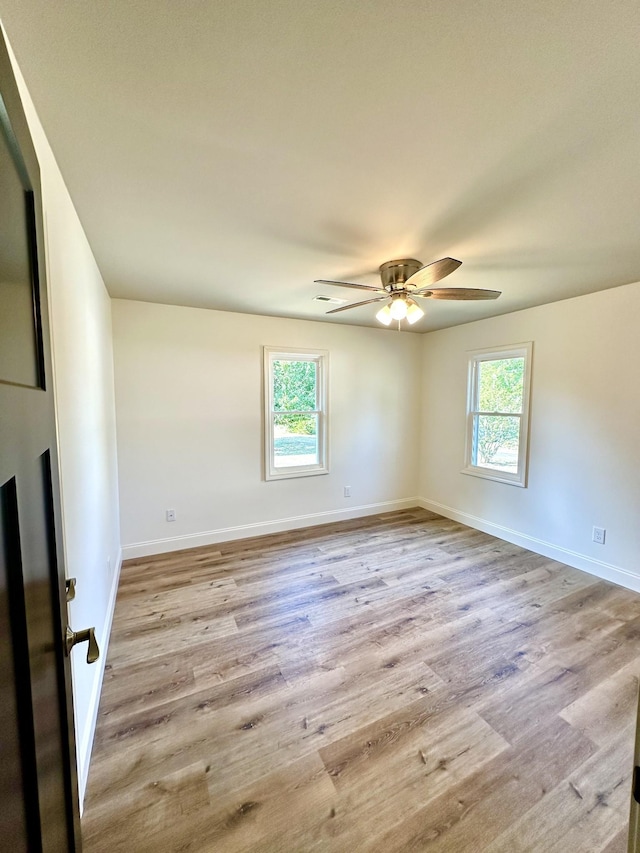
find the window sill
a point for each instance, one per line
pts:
(497, 476)
(290, 473)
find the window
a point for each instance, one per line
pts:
(295, 383)
(498, 414)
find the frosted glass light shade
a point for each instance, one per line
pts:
(398, 309)
(384, 315)
(414, 312)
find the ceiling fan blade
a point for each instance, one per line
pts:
(350, 284)
(459, 293)
(431, 273)
(357, 304)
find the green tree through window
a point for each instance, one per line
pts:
(295, 389)
(500, 389)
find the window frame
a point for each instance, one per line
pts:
(321, 358)
(474, 359)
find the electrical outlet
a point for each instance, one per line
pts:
(347, 491)
(171, 515)
(599, 534)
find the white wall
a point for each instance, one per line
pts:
(188, 401)
(584, 467)
(80, 313)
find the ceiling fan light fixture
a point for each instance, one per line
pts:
(401, 280)
(398, 308)
(414, 312)
(384, 316)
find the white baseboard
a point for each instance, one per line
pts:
(260, 528)
(84, 748)
(600, 569)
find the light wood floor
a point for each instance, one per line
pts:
(394, 683)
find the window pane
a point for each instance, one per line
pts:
(295, 440)
(294, 385)
(495, 442)
(500, 385)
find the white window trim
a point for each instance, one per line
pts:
(524, 350)
(321, 357)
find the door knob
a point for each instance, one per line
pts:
(89, 634)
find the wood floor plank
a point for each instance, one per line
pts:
(471, 814)
(608, 708)
(618, 843)
(386, 772)
(583, 812)
(393, 683)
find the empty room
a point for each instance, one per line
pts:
(319, 406)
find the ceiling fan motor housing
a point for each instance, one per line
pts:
(395, 273)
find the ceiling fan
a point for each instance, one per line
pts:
(405, 278)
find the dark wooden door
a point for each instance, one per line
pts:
(38, 786)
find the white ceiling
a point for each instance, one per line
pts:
(225, 154)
